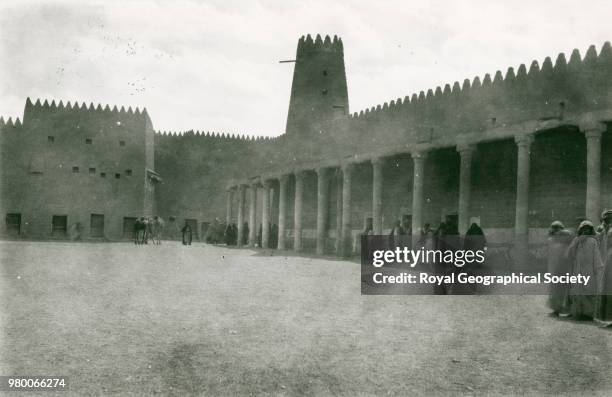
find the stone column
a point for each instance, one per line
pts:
(465, 186)
(228, 206)
(297, 213)
(271, 203)
(377, 188)
(282, 210)
(345, 235)
(418, 159)
(593, 177)
(240, 218)
(521, 222)
(265, 215)
(338, 211)
(252, 216)
(322, 192)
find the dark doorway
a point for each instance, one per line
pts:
(128, 227)
(96, 227)
(193, 224)
(13, 224)
(59, 226)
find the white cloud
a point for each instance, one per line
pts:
(214, 65)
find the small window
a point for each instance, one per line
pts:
(103, 174)
(128, 172)
(325, 73)
(50, 139)
(92, 170)
(75, 169)
(88, 141)
(121, 143)
(117, 176)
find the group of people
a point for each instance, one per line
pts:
(229, 236)
(588, 252)
(146, 228)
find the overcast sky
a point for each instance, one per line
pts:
(213, 65)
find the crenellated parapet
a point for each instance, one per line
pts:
(43, 110)
(214, 135)
(548, 90)
(10, 123)
(307, 44)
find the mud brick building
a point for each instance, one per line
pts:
(512, 151)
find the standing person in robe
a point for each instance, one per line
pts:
(227, 236)
(187, 234)
(558, 265)
(585, 259)
(245, 235)
(148, 230)
(475, 240)
(158, 227)
(259, 234)
(452, 241)
(439, 268)
(604, 298)
(397, 234)
(274, 236)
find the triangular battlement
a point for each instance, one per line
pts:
(522, 76)
(307, 44)
(216, 136)
(37, 108)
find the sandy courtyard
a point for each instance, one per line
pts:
(169, 319)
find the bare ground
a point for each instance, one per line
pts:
(120, 319)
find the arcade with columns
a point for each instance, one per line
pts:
(266, 199)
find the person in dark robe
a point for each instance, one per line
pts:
(604, 298)
(558, 265)
(439, 267)
(274, 236)
(245, 234)
(585, 259)
(452, 241)
(148, 230)
(136, 231)
(259, 235)
(187, 234)
(397, 236)
(234, 234)
(475, 240)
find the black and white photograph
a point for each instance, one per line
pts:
(305, 198)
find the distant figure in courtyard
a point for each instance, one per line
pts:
(139, 231)
(274, 236)
(439, 267)
(187, 234)
(158, 229)
(427, 239)
(475, 239)
(585, 259)
(558, 264)
(148, 230)
(452, 241)
(230, 234)
(75, 231)
(397, 234)
(245, 234)
(215, 233)
(259, 234)
(604, 298)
